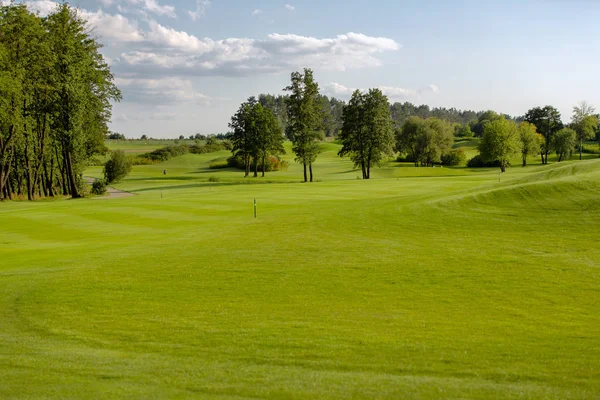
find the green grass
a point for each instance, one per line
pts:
(423, 283)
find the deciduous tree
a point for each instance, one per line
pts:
(305, 119)
(547, 122)
(564, 142)
(585, 123)
(500, 142)
(531, 141)
(367, 132)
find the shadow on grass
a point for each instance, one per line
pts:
(201, 185)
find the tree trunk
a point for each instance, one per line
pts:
(305, 177)
(255, 167)
(502, 167)
(50, 181)
(524, 161)
(72, 180)
(310, 169)
(581, 150)
(263, 165)
(364, 172)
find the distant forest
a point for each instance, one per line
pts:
(333, 108)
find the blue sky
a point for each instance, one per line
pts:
(184, 66)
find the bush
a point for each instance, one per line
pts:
(214, 179)
(99, 187)
(453, 158)
(117, 168)
(166, 153)
(271, 164)
(478, 162)
(405, 158)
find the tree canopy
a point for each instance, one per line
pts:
(424, 140)
(500, 142)
(256, 135)
(305, 119)
(367, 132)
(547, 121)
(55, 93)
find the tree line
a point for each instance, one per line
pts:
(541, 132)
(55, 93)
(370, 130)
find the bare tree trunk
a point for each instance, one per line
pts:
(72, 179)
(310, 169)
(305, 177)
(247, 165)
(524, 161)
(263, 165)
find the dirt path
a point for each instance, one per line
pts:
(111, 192)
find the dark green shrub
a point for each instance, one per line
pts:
(271, 164)
(214, 179)
(99, 187)
(117, 168)
(166, 153)
(478, 162)
(453, 158)
(405, 158)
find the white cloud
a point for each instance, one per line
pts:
(41, 7)
(393, 92)
(116, 27)
(290, 7)
(434, 88)
(166, 90)
(257, 12)
(155, 8)
(202, 7)
(172, 49)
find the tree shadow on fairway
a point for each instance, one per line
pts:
(211, 185)
(213, 171)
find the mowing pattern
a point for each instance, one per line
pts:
(447, 285)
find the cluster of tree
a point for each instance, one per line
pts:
(199, 136)
(55, 92)
(402, 111)
(424, 141)
(367, 132)
(115, 136)
(331, 108)
(541, 132)
(256, 136)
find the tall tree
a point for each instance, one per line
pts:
(563, 142)
(500, 142)
(305, 119)
(269, 141)
(547, 121)
(531, 141)
(424, 141)
(367, 133)
(585, 123)
(257, 135)
(243, 137)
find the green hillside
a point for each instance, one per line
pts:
(423, 283)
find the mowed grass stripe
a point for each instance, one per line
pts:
(432, 287)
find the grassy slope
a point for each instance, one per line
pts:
(422, 283)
